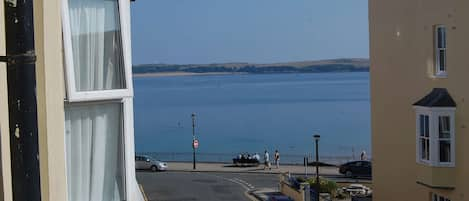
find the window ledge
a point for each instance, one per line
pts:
(440, 75)
(436, 164)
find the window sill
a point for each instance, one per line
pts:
(435, 164)
(440, 75)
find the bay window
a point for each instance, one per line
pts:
(435, 129)
(435, 136)
(98, 106)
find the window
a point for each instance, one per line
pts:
(424, 137)
(435, 136)
(97, 67)
(98, 108)
(436, 197)
(440, 51)
(444, 138)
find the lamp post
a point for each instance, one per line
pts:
(318, 185)
(193, 140)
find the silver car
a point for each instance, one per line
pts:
(148, 163)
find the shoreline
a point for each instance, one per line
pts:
(178, 74)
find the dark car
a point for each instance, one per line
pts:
(279, 198)
(356, 169)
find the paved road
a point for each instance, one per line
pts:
(193, 186)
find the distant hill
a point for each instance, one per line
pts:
(333, 65)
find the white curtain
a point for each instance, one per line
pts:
(96, 45)
(93, 135)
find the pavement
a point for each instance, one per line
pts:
(225, 167)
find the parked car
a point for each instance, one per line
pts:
(357, 190)
(356, 169)
(148, 163)
(279, 198)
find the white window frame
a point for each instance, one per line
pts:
(419, 138)
(434, 113)
(125, 96)
(77, 96)
(438, 72)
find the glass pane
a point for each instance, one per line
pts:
(96, 45)
(441, 37)
(94, 150)
(422, 149)
(442, 60)
(427, 126)
(444, 127)
(445, 151)
(422, 125)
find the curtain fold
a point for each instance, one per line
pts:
(94, 152)
(96, 45)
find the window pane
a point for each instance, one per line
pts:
(427, 126)
(94, 150)
(96, 45)
(442, 59)
(445, 151)
(444, 127)
(441, 37)
(422, 125)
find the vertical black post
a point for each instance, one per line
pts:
(193, 140)
(22, 103)
(318, 185)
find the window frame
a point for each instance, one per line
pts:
(438, 72)
(73, 95)
(125, 96)
(434, 114)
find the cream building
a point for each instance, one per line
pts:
(419, 72)
(84, 102)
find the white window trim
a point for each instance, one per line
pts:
(77, 96)
(125, 96)
(433, 114)
(438, 72)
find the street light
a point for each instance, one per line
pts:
(318, 185)
(193, 140)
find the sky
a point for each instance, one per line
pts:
(255, 31)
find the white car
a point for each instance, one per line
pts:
(148, 163)
(357, 189)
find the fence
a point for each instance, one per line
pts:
(228, 157)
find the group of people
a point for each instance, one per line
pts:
(267, 159)
(248, 156)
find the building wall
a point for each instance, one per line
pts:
(401, 56)
(50, 98)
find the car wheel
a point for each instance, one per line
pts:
(348, 173)
(154, 168)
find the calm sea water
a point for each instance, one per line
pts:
(250, 113)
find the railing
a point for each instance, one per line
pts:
(228, 157)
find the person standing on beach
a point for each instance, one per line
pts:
(266, 160)
(277, 158)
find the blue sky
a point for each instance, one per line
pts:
(257, 31)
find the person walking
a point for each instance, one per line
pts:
(266, 160)
(277, 158)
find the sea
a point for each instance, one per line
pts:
(251, 113)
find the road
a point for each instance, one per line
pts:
(193, 186)
(212, 186)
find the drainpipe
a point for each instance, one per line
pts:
(22, 102)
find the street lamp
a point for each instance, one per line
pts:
(193, 140)
(318, 185)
